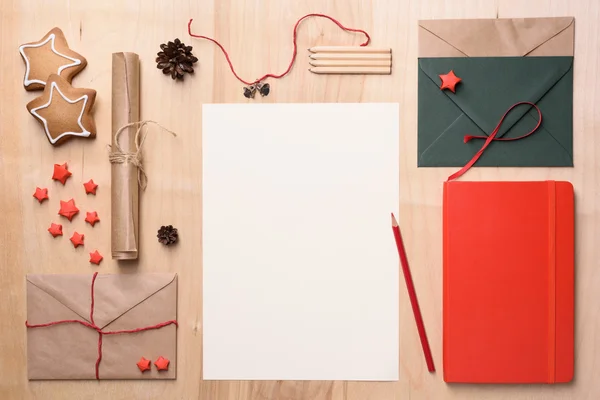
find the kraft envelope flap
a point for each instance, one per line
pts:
(497, 37)
(114, 295)
(491, 85)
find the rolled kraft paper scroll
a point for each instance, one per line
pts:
(124, 176)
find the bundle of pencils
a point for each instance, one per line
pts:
(350, 60)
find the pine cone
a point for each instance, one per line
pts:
(176, 59)
(167, 235)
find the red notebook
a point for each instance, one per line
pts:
(508, 282)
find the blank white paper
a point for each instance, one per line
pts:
(300, 267)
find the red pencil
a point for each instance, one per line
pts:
(413, 295)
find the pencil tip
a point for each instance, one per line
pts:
(394, 222)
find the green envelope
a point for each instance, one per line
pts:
(489, 86)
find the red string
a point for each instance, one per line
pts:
(98, 329)
(294, 38)
(489, 139)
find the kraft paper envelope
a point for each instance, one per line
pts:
(70, 350)
(516, 37)
(490, 85)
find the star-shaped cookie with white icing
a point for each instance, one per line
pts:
(49, 55)
(64, 111)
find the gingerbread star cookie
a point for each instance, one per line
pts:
(64, 111)
(50, 55)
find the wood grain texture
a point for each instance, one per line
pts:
(257, 34)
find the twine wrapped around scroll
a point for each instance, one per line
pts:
(118, 156)
(127, 171)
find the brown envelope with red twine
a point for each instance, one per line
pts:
(99, 326)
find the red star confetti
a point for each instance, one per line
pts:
(162, 364)
(68, 209)
(143, 364)
(61, 173)
(55, 229)
(449, 81)
(77, 239)
(90, 187)
(41, 194)
(91, 217)
(95, 258)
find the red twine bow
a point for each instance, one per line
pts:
(294, 38)
(492, 136)
(98, 329)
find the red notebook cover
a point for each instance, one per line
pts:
(508, 282)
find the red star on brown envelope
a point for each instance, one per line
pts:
(40, 194)
(162, 364)
(68, 209)
(143, 364)
(77, 239)
(49, 55)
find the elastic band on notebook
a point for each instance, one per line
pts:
(551, 281)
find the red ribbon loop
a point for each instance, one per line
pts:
(492, 137)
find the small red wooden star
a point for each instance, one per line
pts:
(91, 217)
(77, 239)
(449, 81)
(68, 209)
(162, 364)
(90, 187)
(61, 173)
(143, 364)
(55, 229)
(41, 194)
(95, 258)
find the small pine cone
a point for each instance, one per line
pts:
(175, 59)
(167, 235)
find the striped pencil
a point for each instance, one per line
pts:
(346, 70)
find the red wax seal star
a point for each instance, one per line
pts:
(143, 364)
(61, 173)
(91, 217)
(68, 209)
(90, 187)
(95, 258)
(55, 229)
(449, 81)
(162, 364)
(77, 239)
(41, 194)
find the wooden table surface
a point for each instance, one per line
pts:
(258, 36)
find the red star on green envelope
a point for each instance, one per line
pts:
(143, 364)
(95, 258)
(449, 81)
(77, 239)
(61, 173)
(68, 209)
(91, 218)
(162, 364)
(41, 194)
(55, 229)
(90, 187)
